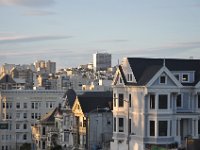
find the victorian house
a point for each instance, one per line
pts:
(156, 102)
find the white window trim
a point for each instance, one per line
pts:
(188, 78)
(181, 102)
(118, 124)
(128, 77)
(165, 79)
(168, 128)
(154, 128)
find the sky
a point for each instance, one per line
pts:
(70, 31)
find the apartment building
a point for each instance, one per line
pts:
(156, 102)
(19, 110)
(101, 61)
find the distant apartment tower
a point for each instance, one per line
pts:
(39, 64)
(49, 66)
(101, 61)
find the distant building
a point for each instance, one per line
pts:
(101, 61)
(20, 73)
(19, 110)
(6, 68)
(85, 104)
(51, 67)
(48, 67)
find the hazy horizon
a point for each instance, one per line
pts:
(69, 32)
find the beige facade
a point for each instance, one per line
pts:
(20, 109)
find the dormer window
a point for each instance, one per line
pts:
(120, 80)
(162, 79)
(185, 78)
(130, 77)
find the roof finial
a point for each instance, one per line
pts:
(164, 62)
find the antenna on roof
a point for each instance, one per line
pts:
(164, 62)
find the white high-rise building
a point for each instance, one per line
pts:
(101, 61)
(19, 109)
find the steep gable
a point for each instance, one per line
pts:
(145, 68)
(164, 78)
(7, 79)
(119, 78)
(77, 107)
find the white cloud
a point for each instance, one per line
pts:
(39, 13)
(29, 3)
(22, 39)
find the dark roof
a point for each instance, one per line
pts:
(7, 79)
(145, 68)
(49, 117)
(90, 101)
(70, 96)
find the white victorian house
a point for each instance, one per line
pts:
(156, 102)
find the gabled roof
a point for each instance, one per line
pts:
(93, 100)
(70, 96)
(7, 79)
(145, 68)
(49, 117)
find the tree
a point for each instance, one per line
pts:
(25, 146)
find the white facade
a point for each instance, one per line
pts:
(101, 61)
(20, 109)
(164, 111)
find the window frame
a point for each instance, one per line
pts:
(120, 124)
(130, 100)
(159, 107)
(198, 101)
(181, 101)
(160, 79)
(114, 100)
(152, 103)
(185, 81)
(161, 127)
(120, 100)
(152, 133)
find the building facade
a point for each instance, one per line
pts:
(101, 61)
(156, 103)
(19, 110)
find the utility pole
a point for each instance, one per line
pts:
(128, 127)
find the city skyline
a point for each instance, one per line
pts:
(69, 32)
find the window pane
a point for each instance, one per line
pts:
(129, 126)
(198, 101)
(198, 126)
(162, 128)
(129, 100)
(114, 99)
(121, 100)
(114, 124)
(121, 124)
(162, 79)
(152, 101)
(162, 103)
(185, 77)
(178, 101)
(152, 128)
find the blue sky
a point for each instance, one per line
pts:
(70, 31)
